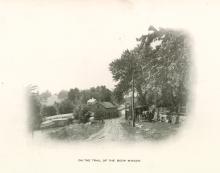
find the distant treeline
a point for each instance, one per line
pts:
(71, 101)
(68, 100)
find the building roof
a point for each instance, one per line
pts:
(121, 107)
(107, 105)
(91, 101)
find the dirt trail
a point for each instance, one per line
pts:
(113, 131)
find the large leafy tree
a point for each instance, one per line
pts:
(85, 96)
(77, 97)
(74, 95)
(100, 93)
(166, 67)
(160, 66)
(123, 69)
(63, 94)
(48, 111)
(65, 107)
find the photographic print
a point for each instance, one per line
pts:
(103, 86)
(149, 100)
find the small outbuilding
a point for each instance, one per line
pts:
(109, 110)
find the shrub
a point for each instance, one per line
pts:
(49, 111)
(99, 114)
(65, 107)
(81, 113)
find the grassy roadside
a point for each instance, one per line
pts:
(74, 132)
(152, 131)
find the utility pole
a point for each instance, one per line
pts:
(132, 104)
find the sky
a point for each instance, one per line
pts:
(66, 44)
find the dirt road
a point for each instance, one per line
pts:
(113, 131)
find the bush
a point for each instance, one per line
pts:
(81, 113)
(99, 114)
(65, 107)
(49, 111)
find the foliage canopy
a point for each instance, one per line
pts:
(160, 65)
